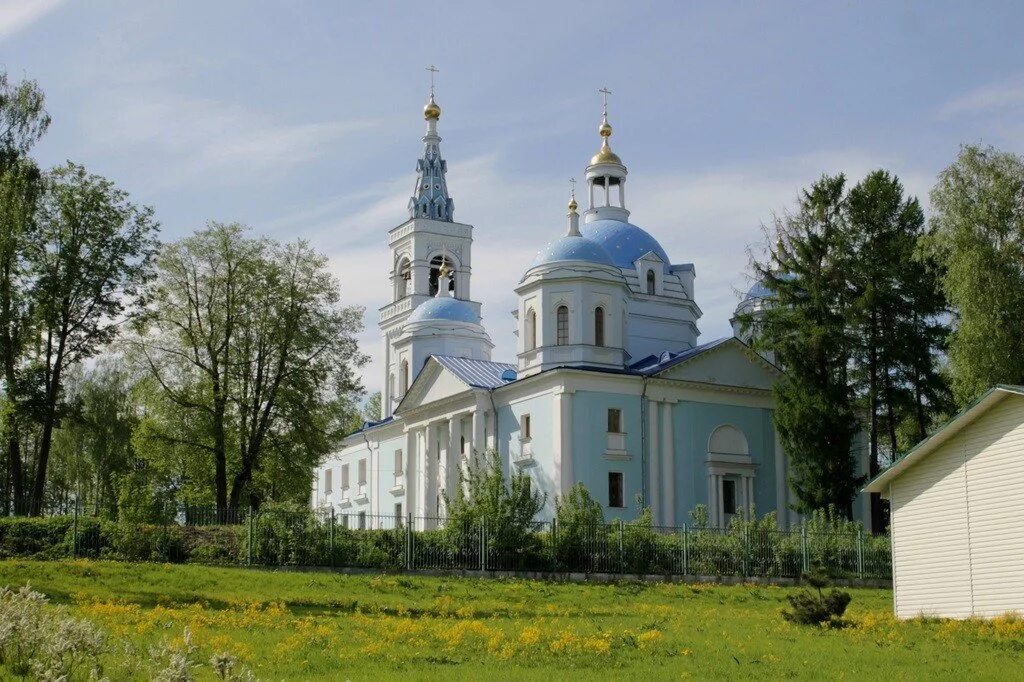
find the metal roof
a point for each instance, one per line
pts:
(653, 364)
(942, 434)
(475, 373)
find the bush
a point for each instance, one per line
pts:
(34, 537)
(808, 608)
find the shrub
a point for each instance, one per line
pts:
(808, 608)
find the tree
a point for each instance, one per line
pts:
(247, 339)
(977, 238)
(806, 328)
(371, 411)
(23, 121)
(88, 262)
(893, 320)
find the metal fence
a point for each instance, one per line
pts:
(330, 539)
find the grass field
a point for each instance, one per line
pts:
(285, 625)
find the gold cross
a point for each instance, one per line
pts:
(572, 182)
(605, 91)
(432, 69)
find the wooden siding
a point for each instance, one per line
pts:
(931, 557)
(995, 479)
(958, 534)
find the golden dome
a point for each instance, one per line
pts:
(605, 155)
(431, 112)
(605, 129)
(573, 205)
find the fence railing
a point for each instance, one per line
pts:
(326, 538)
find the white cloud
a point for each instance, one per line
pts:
(184, 140)
(16, 15)
(707, 218)
(1006, 94)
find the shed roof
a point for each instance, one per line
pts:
(941, 435)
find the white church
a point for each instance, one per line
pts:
(610, 386)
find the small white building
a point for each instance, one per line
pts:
(957, 520)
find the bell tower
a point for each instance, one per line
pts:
(424, 248)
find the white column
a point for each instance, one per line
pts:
(421, 472)
(654, 461)
(492, 436)
(561, 442)
(607, 193)
(711, 499)
(591, 185)
(430, 470)
(453, 455)
(668, 460)
(479, 444)
(622, 192)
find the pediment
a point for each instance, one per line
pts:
(650, 257)
(732, 363)
(432, 384)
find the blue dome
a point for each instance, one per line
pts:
(445, 309)
(572, 248)
(759, 290)
(625, 242)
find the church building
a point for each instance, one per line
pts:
(610, 386)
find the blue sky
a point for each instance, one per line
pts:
(303, 118)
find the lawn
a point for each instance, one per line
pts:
(291, 625)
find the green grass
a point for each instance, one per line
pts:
(289, 625)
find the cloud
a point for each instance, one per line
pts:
(16, 15)
(709, 218)
(184, 140)
(998, 96)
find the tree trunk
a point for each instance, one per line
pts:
(220, 459)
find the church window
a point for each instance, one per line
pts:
(344, 477)
(531, 329)
(616, 492)
(327, 482)
(362, 472)
(404, 378)
(650, 282)
(599, 326)
(402, 282)
(614, 421)
(398, 462)
(562, 326)
(524, 427)
(398, 514)
(362, 520)
(728, 496)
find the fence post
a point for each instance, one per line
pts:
(686, 550)
(860, 554)
(554, 545)
(331, 536)
(74, 533)
(483, 543)
(409, 557)
(805, 559)
(622, 556)
(746, 550)
(248, 552)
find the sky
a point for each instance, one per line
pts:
(304, 119)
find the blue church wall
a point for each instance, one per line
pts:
(385, 476)
(590, 441)
(693, 424)
(541, 471)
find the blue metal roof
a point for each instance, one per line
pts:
(476, 373)
(624, 241)
(445, 309)
(653, 364)
(572, 248)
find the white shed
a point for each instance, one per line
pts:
(957, 523)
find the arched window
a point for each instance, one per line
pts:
(402, 278)
(530, 330)
(599, 326)
(404, 378)
(562, 325)
(728, 440)
(435, 272)
(650, 282)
